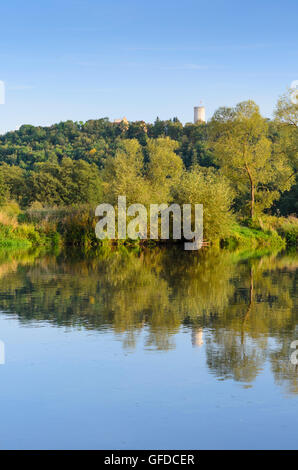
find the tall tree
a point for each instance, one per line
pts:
(286, 143)
(239, 137)
(164, 168)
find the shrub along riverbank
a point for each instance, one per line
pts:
(75, 226)
(16, 233)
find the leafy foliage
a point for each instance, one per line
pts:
(237, 162)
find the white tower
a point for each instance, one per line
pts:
(199, 114)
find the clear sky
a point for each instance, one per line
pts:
(85, 59)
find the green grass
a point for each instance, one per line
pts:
(75, 226)
(289, 231)
(26, 236)
(253, 238)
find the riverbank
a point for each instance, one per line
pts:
(252, 238)
(16, 233)
(75, 226)
(273, 232)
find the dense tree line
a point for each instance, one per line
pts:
(94, 140)
(249, 160)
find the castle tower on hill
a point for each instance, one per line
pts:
(199, 114)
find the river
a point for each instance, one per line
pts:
(158, 349)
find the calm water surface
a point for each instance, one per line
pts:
(160, 349)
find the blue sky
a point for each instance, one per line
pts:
(85, 59)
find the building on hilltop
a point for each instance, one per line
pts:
(119, 121)
(199, 114)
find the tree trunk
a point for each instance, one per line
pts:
(252, 200)
(252, 193)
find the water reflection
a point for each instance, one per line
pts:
(241, 309)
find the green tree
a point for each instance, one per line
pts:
(164, 168)
(71, 182)
(123, 174)
(286, 144)
(239, 137)
(12, 182)
(204, 186)
(3, 189)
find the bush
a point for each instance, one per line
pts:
(204, 187)
(286, 227)
(253, 238)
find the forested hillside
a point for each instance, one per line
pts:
(240, 166)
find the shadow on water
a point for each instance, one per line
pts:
(241, 306)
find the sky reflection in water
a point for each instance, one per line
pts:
(158, 349)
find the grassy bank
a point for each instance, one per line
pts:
(75, 226)
(272, 232)
(16, 233)
(253, 239)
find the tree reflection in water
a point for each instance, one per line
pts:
(241, 308)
